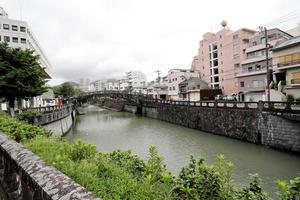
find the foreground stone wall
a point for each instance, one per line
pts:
(251, 125)
(24, 176)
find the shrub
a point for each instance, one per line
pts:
(198, 181)
(19, 130)
(253, 191)
(289, 190)
(80, 150)
(28, 115)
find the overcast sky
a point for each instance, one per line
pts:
(99, 39)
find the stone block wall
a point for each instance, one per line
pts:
(61, 126)
(115, 104)
(238, 124)
(267, 128)
(24, 176)
(280, 132)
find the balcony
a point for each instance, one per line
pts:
(289, 63)
(253, 72)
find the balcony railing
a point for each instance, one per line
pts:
(295, 81)
(293, 62)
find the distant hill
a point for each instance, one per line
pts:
(74, 84)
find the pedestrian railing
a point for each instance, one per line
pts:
(261, 105)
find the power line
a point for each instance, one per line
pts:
(283, 17)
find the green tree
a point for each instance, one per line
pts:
(65, 90)
(21, 75)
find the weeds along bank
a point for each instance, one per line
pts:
(122, 175)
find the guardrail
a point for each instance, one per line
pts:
(293, 107)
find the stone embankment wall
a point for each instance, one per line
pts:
(58, 120)
(114, 104)
(61, 126)
(251, 125)
(24, 176)
(280, 131)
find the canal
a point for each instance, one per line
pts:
(110, 130)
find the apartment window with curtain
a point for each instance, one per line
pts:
(291, 59)
(295, 78)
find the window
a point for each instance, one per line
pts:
(237, 65)
(254, 43)
(236, 36)
(257, 67)
(6, 26)
(242, 84)
(14, 28)
(258, 83)
(23, 40)
(170, 88)
(173, 87)
(6, 39)
(0, 37)
(295, 78)
(250, 69)
(15, 39)
(22, 29)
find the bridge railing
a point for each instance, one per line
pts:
(293, 107)
(49, 109)
(276, 106)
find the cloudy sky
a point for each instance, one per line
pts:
(99, 39)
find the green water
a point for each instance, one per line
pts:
(115, 130)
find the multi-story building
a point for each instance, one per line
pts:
(219, 57)
(137, 81)
(17, 34)
(252, 77)
(158, 89)
(84, 84)
(176, 76)
(286, 62)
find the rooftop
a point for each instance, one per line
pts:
(295, 41)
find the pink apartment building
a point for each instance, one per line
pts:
(219, 57)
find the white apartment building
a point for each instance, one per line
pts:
(137, 81)
(107, 84)
(124, 85)
(84, 84)
(17, 34)
(176, 76)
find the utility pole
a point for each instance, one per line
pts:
(267, 61)
(158, 75)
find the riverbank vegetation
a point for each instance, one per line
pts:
(123, 175)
